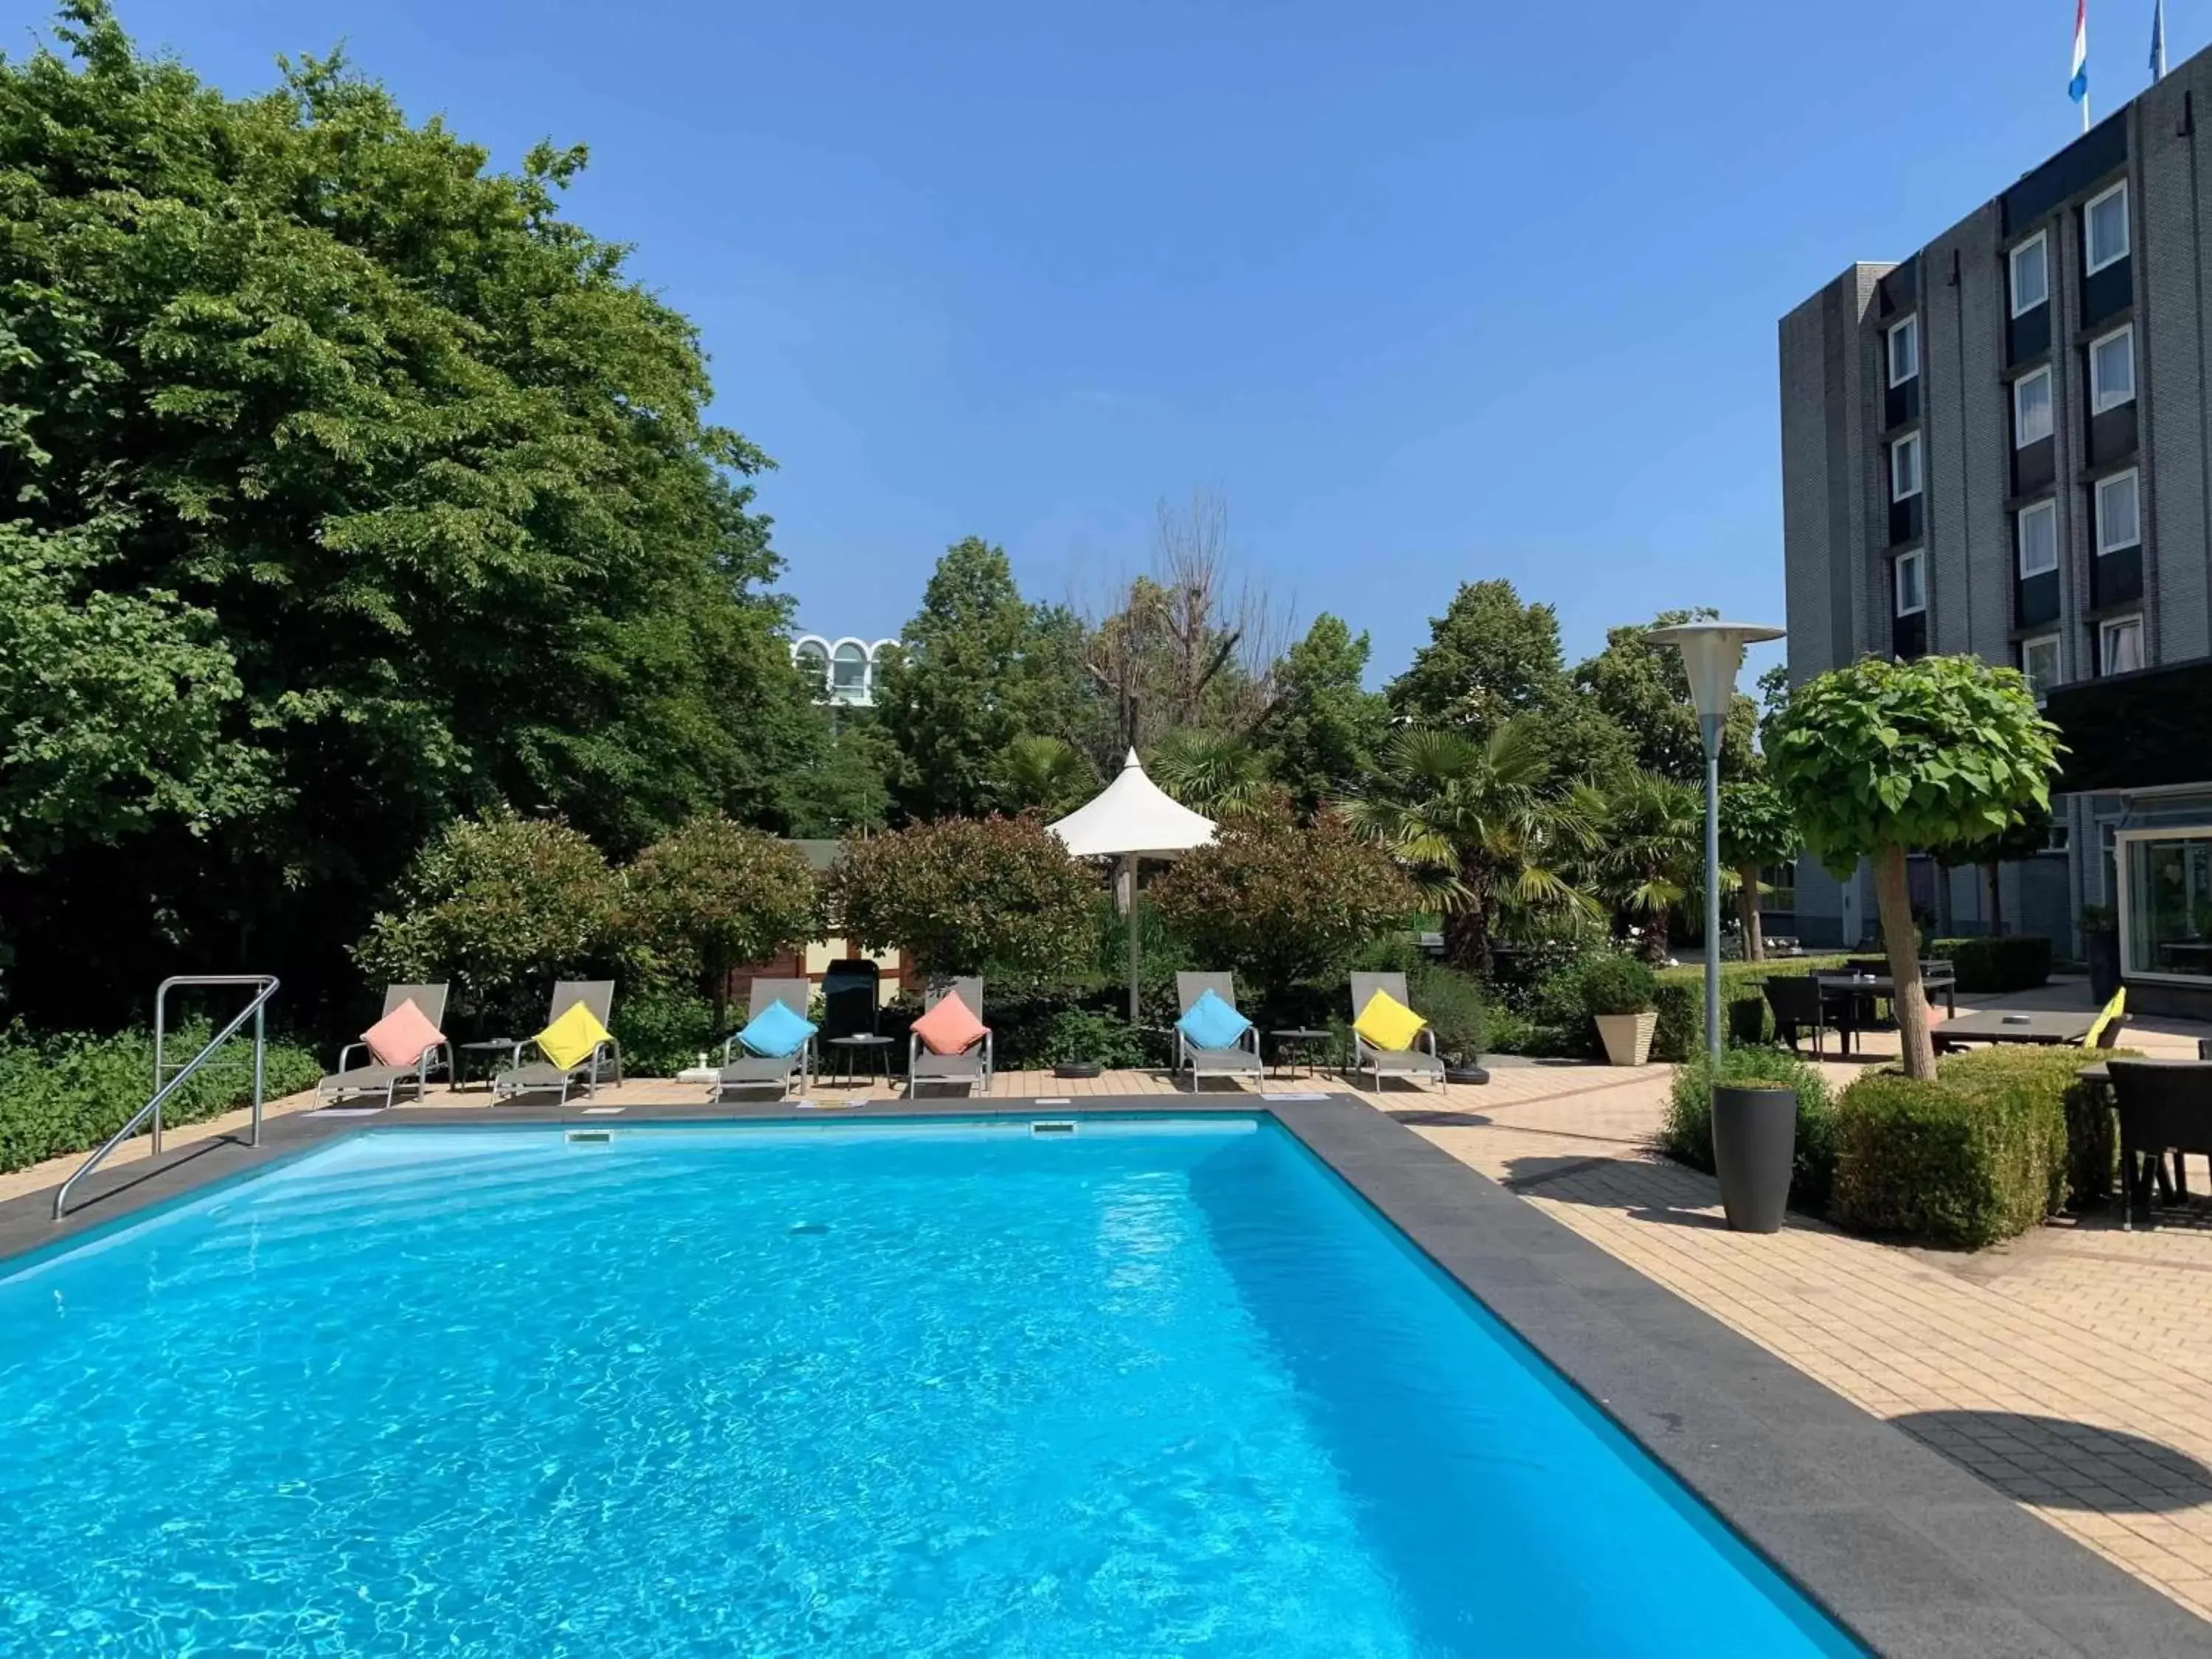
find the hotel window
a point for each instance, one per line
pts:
(2105, 228)
(2120, 645)
(2036, 531)
(1904, 350)
(2038, 661)
(2030, 274)
(2119, 518)
(2031, 408)
(1912, 583)
(1904, 467)
(2111, 370)
(2166, 902)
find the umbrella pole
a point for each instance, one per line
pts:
(1129, 867)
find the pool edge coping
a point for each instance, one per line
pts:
(1914, 1555)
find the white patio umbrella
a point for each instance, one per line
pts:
(1132, 819)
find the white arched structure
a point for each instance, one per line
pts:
(840, 671)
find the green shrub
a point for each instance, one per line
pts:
(1615, 984)
(1079, 1035)
(1965, 1162)
(2015, 963)
(68, 1093)
(1687, 1135)
(1510, 1033)
(1750, 1022)
(1452, 1003)
(2093, 1149)
(1680, 1032)
(664, 1028)
(1681, 999)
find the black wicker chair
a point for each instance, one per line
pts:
(1799, 1005)
(2165, 1105)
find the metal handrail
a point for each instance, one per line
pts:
(162, 1090)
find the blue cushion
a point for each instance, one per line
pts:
(1210, 1022)
(776, 1032)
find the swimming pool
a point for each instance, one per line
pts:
(853, 1388)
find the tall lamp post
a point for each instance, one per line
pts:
(1712, 653)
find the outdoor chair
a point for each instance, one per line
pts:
(1241, 1060)
(596, 997)
(351, 1079)
(2165, 1105)
(1420, 1060)
(970, 1065)
(1800, 1004)
(741, 1070)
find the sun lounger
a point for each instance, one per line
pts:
(1421, 1061)
(535, 1076)
(1241, 1060)
(351, 1079)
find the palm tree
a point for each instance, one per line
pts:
(1209, 772)
(1650, 852)
(1488, 835)
(1046, 774)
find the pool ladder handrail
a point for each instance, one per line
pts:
(178, 1074)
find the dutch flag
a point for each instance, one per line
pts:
(2078, 87)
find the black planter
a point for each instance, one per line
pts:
(1079, 1068)
(1747, 1021)
(1466, 1072)
(1754, 1148)
(2103, 951)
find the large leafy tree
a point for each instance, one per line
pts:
(1648, 851)
(964, 895)
(712, 896)
(1756, 829)
(1321, 733)
(406, 451)
(1879, 757)
(1491, 837)
(1281, 902)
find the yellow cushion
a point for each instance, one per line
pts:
(2113, 1010)
(1389, 1023)
(569, 1039)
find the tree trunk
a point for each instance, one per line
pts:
(1894, 894)
(1467, 938)
(1746, 899)
(1996, 900)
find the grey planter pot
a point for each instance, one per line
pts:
(1755, 1148)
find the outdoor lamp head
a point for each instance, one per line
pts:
(1712, 652)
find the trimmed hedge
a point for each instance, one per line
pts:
(1547, 1018)
(68, 1093)
(1687, 1134)
(2018, 962)
(1965, 1161)
(1681, 999)
(2093, 1148)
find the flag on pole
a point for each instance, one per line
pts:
(2078, 87)
(2158, 40)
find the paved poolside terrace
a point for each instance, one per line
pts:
(2007, 1452)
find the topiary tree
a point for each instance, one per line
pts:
(1882, 756)
(500, 906)
(1281, 902)
(1757, 827)
(961, 895)
(711, 896)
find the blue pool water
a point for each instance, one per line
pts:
(844, 1389)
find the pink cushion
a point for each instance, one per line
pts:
(949, 1027)
(400, 1037)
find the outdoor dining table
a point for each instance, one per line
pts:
(1863, 989)
(2051, 1029)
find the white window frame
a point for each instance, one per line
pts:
(2019, 538)
(2049, 407)
(2118, 847)
(1909, 330)
(2107, 629)
(1919, 467)
(2101, 397)
(2127, 235)
(2097, 490)
(2041, 244)
(1918, 558)
(2057, 664)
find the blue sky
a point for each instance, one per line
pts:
(1427, 292)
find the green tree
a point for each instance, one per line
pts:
(1209, 772)
(1045, 775)
(500, 906)
(405, 448)
(976, 670)
(712, 896)
(1284, 904)
(1491, 836)
(963, 896)
(1648, 851)
(1643, 690)
(1756, 829)
(1321, 733)
(843, 786)
(1880, 757)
